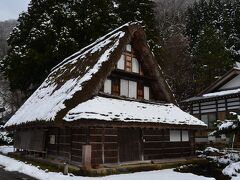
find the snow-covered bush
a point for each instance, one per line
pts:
(232, 170)
(5, 138)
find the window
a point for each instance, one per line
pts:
(209, 119)
(124, 87)
(135, 65)
(185, 136)
(129, 48)
(129, 62)
(175, 136)
(121, 63)
(204, 118)
(108, 86)
(132, 89)
(52, 139)
(146, 93)
(128, 88)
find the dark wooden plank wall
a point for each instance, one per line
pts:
(130, 144)
(79, 138)
(64, 143)
(105, 146)
(110, 145)
(52, 149)
(62, 146)
(30, 140)
(104, 142)
(157, 145)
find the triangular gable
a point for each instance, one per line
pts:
(81, 76)
(232, 84)
(227, 81)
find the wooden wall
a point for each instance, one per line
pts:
(108, 146)
(30, 140)
(79, 138)
(157, 145)
(52, 149)
(104, 142)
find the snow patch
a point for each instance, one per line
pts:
(6, 149)
(222, 93)
(167, 174)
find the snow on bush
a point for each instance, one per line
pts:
(232, 170)
(211, 149)
(6, 149)
(5, 138)
(229, 160)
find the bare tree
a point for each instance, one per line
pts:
(175, 57)
(170, 16)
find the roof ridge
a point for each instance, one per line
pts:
(93, 44)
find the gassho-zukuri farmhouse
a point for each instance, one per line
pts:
(107, 103)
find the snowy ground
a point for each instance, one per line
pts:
(11, 164)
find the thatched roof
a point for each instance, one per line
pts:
(80, 77)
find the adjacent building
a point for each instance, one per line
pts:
(215, 103)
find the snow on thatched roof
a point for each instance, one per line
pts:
(108, 109)
(79, 77)
(49, 98)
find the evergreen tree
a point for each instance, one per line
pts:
(211, 58)
(141, 11)
(209, 21)
(50, 31)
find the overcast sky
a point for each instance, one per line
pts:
(10, 9)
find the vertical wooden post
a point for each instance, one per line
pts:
(103, 142)
(65, 169)
(70, 144)
(86, 156)
(141, 145)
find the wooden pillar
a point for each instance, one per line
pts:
(199, 109)
(141, 145)
(226, 106)
(103, 142)
(86, 156)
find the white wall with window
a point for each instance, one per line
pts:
(185, 136)
(209, 119)
(52, 139)
(121, 63)
(135, 65)
(108, 86)
(132, 92)
(175, 136)
(128, 88)
(178, 136)
(128, 47)
(146, 93)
